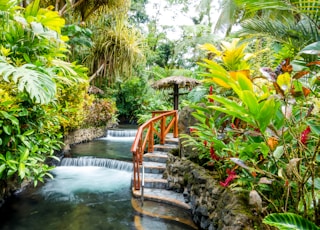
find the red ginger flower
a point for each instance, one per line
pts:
(304, 135)
(231, 176)
(213, 153)
(210, 93)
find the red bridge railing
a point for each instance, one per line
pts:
(160, 124)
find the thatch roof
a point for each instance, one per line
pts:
(181, 81)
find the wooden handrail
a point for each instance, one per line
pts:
(145, 138)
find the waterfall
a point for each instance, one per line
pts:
(121, 132)
(120, 135)
(99, 162)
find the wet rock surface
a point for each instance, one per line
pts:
(213, 206)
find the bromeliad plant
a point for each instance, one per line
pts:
(265, 135)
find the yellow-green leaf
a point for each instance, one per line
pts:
(266, 113)
(22, 170)
(284, 81)
(211, 48)
(244, 82)
(249, 98)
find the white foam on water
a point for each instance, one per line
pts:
(118, 139)
(70, 181)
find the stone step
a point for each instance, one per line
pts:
(162, 196)
(158, 183)
(172, 217)
(165, 148)
(152, 180)
(153, 167)
(172, 140)
(156, 156)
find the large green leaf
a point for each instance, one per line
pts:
(313, 48)
(287, 221)
(7, 4)
(232, 108)
(249, 98)
(13, 119)
(267, 112)
(32, 9)
(38, 84)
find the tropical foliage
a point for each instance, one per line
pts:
(285, 221)
(42, 94)
(264, 134)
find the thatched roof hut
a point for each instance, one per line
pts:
(181, 81)
(176, 82)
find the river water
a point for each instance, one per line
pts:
(90, 191)
(87, 197)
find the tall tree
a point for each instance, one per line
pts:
(117, 49)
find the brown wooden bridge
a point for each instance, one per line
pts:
(161, 124)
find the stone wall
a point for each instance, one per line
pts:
(83, 135)
(213, 206)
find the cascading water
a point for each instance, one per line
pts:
(99, 162)
(88, 191)
(116, 145)
(121, 135)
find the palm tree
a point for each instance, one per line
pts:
(117, 49)
(294, 22)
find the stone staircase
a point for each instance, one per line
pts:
(155, 186)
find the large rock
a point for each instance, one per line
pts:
(83, 135)
(185, 121)
(213, 206)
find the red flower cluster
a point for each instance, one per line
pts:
(231, 176)
(210, 93)
(213, 153)
(304, 135)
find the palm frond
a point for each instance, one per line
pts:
(227, 16)
(119, 49)
(281, 30)
(296, 8)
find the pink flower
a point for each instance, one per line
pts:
(304, 135)
(231, 176)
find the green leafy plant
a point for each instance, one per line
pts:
(264, 134)
(286, 221)
(26, 142)
(37, 88)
